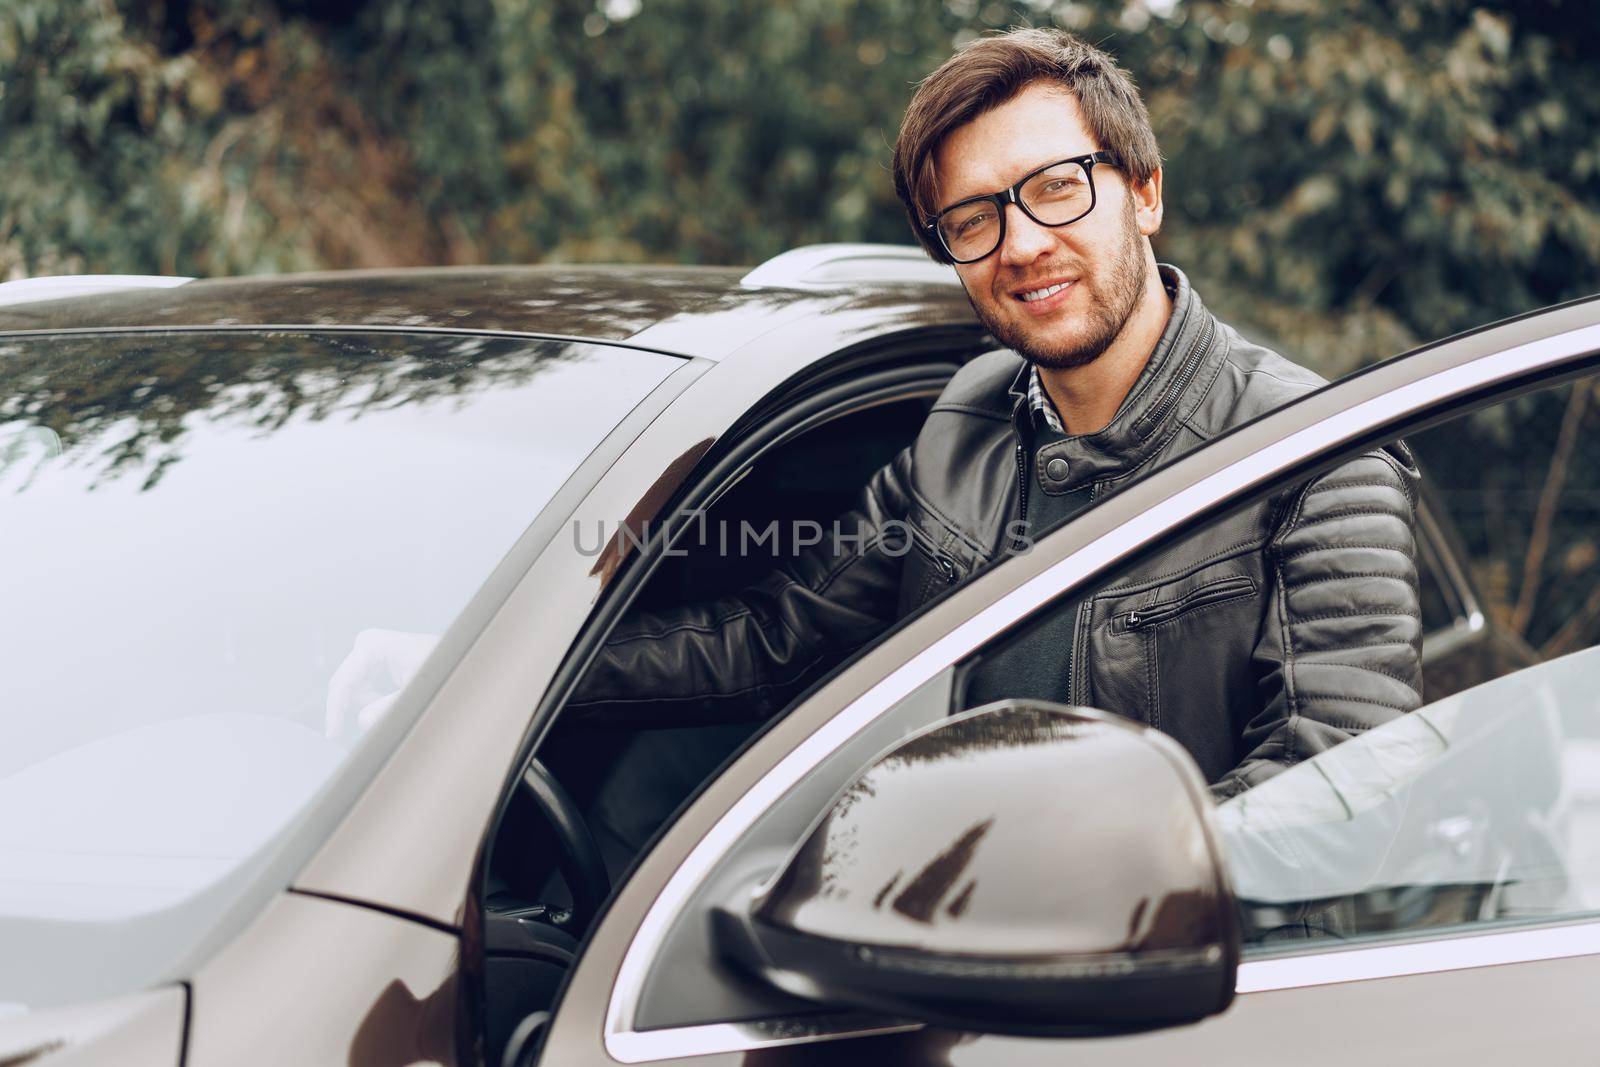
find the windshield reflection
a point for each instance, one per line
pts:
(195, 530)
(124, 403)
(603, 303)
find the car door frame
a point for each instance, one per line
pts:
(409, 848)
(593, 1023)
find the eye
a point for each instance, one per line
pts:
(974, 221)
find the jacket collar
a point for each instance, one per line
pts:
(1167, 388)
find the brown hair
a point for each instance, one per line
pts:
(990, 71)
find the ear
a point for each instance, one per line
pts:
(1147, 204)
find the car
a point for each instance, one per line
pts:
(299, 572)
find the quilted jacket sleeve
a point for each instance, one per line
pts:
(742, 657)
(1340, 647)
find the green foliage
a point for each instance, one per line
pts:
(704, 134)
(1429, 167)
(1347, 179)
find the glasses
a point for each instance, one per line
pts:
(1054, 195)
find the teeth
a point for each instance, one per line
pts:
(1040, 294)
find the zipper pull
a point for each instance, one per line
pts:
(946, 568)
(1133, 620)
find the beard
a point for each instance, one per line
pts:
(1109, 310)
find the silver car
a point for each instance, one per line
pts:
(298, 572)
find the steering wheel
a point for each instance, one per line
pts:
(577, 854)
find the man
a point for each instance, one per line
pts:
(1028, 161)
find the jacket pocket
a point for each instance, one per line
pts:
(930, 570)
(945, 567)
(1217, 592)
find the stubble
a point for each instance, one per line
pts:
(1124, 285)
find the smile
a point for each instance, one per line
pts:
(1040, 294)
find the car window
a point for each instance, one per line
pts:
(1369, 805)
(1450, 607)
(199, 530)
(1477, 810)
(1483, 807)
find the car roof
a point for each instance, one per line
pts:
(705, 311)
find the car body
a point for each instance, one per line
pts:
(360, 928)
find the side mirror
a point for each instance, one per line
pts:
(1023, 868)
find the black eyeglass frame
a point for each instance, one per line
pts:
(1013, 196)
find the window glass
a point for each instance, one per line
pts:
(197, 530)
(1482, 807)
(1365, 787)
(1479, 808)
(1444, 594)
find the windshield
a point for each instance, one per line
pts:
(195, 528)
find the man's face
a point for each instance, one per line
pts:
(1103, 257)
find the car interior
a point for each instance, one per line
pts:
(627, 781)
(597, 796)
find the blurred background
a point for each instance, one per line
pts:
(1345, 180)
(1350, 178)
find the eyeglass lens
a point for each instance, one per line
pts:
(1054, 197)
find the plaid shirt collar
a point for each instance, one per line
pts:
(1044, 411)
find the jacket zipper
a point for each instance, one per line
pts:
(1226, 589)
(1022, 495)
(1180, 382)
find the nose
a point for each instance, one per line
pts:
(1025, 240)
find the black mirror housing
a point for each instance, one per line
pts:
(1022, 868)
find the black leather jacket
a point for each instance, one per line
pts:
(1271, 637)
